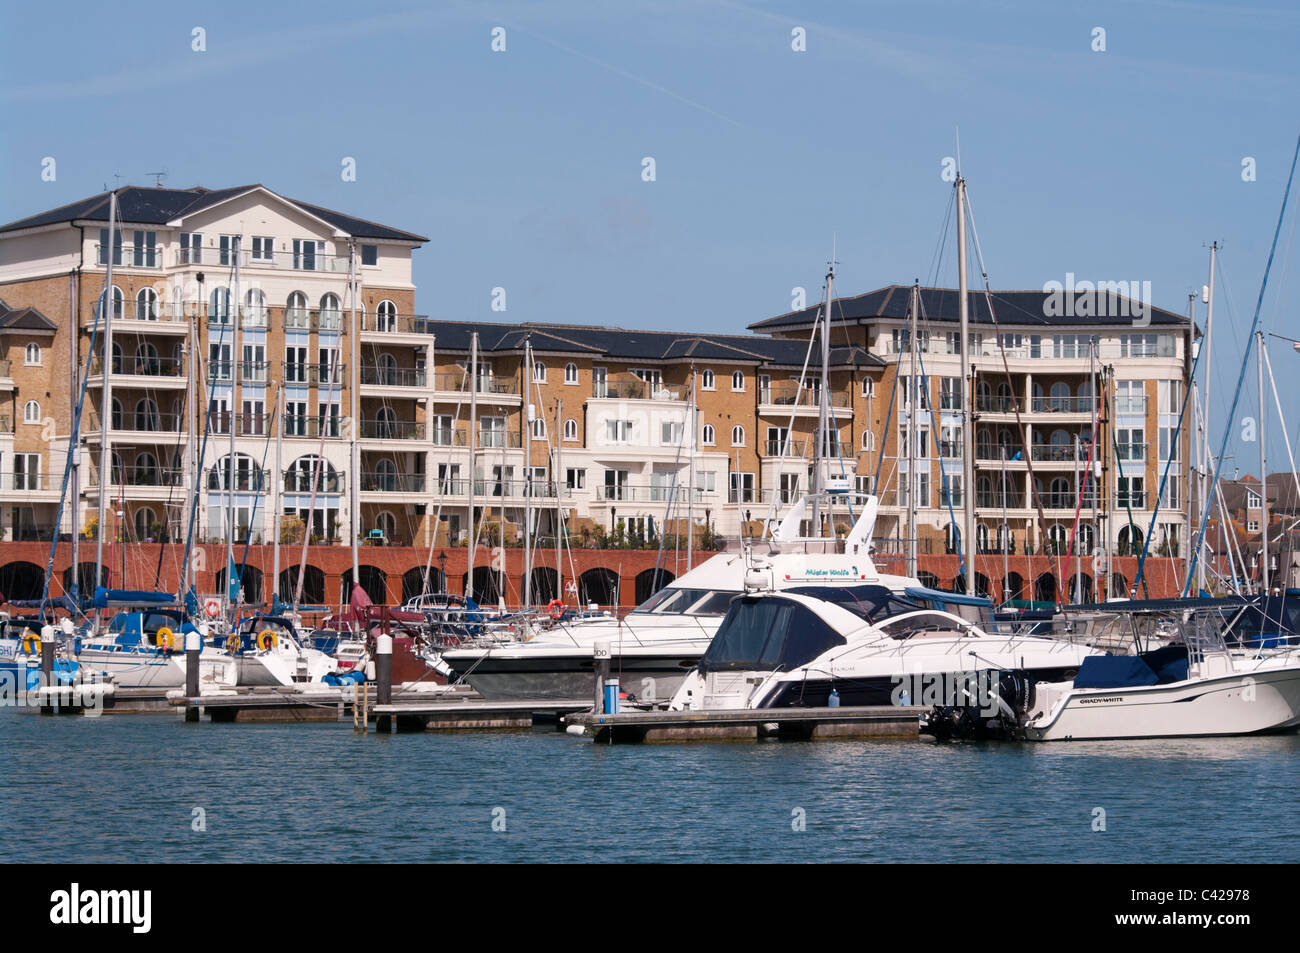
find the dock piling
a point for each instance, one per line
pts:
(193, 648)
(600, 655)
(47, 666)
(384, 673)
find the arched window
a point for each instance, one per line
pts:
(386, 523)
(387, 370)
(115, 415)
(539, 372)
(118, 299)
(386, 316)
(147, 418)
(219, 305)
(1087, 542)
(247, 474)
(386, 476)
(295, 310)
(707, 436)
(737, 436)
(868, 387)
(737, 380)
(255, 308)
(146, 359)
(1004, 538)
(32, 355)
(144, 523)
(707, 380)
(297, 479)
(539, 428)
(1058, 495)
(145, 470)
(1060, 399)
(868, 440)
(570, 429)
(146, 305)
(115, 474)
(982, 537)
(31, 412)
(386, 424)
(1058, 537)
(329, 304)
(1130, 541)
(570, 373)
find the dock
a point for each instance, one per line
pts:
(311, 702)
(451, 714)
(875, 721)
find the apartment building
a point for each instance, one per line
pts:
(245, 372)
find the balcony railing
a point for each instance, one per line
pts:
(253, 372)
(499, 439)
(299, 481)
(384, 429)
(1059, 453)
(138, 366)
(246, 480)
(788, 394)
(787, 448)
(393, 376)
(497, 385)
(514, 488)
(1131, 452)
(1130, 404)
(306, 319)
(395, 323)
(314, 374)
(141, 422)
(445, 437)
(1062, 405)
(225, 257)
(635, 389)
(1133, 499)
(144, 476)
(309, 425)
(989, 404)
(393, 482)
(131, 256)
(24, 482)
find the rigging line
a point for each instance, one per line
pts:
(1164, 479)
(171, 490)
(442, 494)
(936, 260)
(1241, 378)
(1086, 476)
(1026, 448)
(798, 393)
(317, 469)
(257, 496)
(1128, 502)
(943, 474)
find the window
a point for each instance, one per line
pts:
(296, 310)
(1132, 443)
(370, 255)
(707, 380)
(778, 441)
(570, 429)
(570, 373)
(253, 420)
(670, 433)
(295, 418)
(191, 249)
(1130, 397)
(1170, 445)
(146, 305)
(707, 435)
(219, 368)
(618, 431)
(1130, 493)
(862, 484)
(616, 487)
(952, 482)
(103, 246)
(868, 387)
(219, 306)
(32, 355)
(306, 252)
(868, 440)
(922, 393)
(31, 412)
(1252, 526)
(742, 488)
(600, 382)
(263, 248)
(950, 395)
(1252, 500)
(738, 380)
(539, 428)
(27, 471)
(737, 436)
(386, 317)
(145, 249)
(1169, 392)
(539, 372)
(575, 479)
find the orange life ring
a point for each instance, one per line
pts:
(555, 608)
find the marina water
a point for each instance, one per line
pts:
(134, 788)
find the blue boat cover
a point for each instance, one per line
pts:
(54, 602)
(131, 597)
(1114, 671)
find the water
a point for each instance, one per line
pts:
(124, 788)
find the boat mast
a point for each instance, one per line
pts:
(823, 406)
(277, 485)
(354, 457)
(1263, 471)
(968, 411)
(74, 313)
(527, 438)
(560, 484)
(911, 397)
(106, 408)
(1206, 462)
(236, 372)
(691, 412)
(473, 448)
(1198, 441)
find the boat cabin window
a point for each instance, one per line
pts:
(767, 634)
(875, 604)
(684, 601)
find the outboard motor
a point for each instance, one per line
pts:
(996, 711)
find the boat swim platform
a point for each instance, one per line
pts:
(873, 721)
(472, 712)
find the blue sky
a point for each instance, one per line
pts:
(524, 166)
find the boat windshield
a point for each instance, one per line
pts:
(767, 633)
(872, 603)
(684, 601)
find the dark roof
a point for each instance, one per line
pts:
(156, 206)
(649, 346)
(24, 319)
(1018, 308)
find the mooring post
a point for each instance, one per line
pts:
(47, 667)
(600, 656)
(384, 672)
(193, 648)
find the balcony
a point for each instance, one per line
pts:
(161, 370)
(1062, 405)
(395, 324)
(521, 489)
(310, 425)
(131, 256)
(305, 319)
(393, 376)
(789, 447)
(1131, 452)
(789, 395)
(385, 429)
(279, 260)
(246, 480)
(1130, 404)
(499, 439)
(140, 422)
(392, 482)
(445, 437)
(254, 372)
(300, 480)
(143, 477)
(633, 389)
(314, 374)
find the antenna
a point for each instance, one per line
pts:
(158, 178)
(957, 133)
